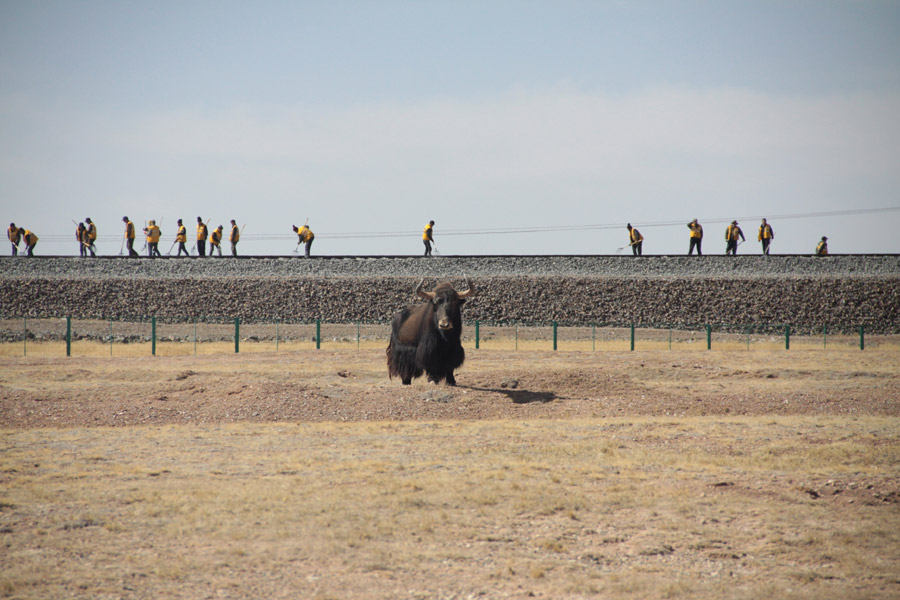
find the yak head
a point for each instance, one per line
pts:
(445, 304)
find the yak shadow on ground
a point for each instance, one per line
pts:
(517, 396)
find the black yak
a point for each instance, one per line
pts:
(425, 337)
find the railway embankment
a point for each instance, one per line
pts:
(837, 291)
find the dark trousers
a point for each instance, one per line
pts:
(15, 249)
(637, 248)
(83, 250)
(427, 247)
(29, 250)
(234, 249)
(213, 248)
(153, 249)
(306, 247)
(182, 248)
(131, 251)
(695, 243)
(91, 248)
(731, 248)
(201, 247)
(765, 245)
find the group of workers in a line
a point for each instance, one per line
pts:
(732, 234)
(153, 233)
(86, 234)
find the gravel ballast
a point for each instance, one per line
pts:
(847, 291)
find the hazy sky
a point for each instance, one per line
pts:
(370, 118)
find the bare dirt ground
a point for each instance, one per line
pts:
(349, 385)
(543, 474)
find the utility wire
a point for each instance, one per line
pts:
(539, 229)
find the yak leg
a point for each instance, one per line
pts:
(451, 380)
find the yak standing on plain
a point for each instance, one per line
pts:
(425, 337)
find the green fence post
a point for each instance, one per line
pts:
(632, 337)
(709, 337)
(68, 336)
(237, 335)
(477, 335)
(24, 336)
(318, 334)
(862, 338)
(554, 335)
(153, 335)
(787, 337)
(825, 336)
(749, 327)
(357, 335)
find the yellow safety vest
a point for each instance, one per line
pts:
(129, 230)
(202, 232)
(181, 236)
(427, 234)
(306, 234)
(822, 248)
(732, 232)
(235, 234)
(696, 230)
(30, 238)
(216, 237)
(636, 236)
(92, 232)
(153, 234)
(765, 233)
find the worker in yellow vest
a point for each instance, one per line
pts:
(822, 247)
(30, 240)
(765, 236)
(732, 233)
(15, 237)
(90, 236)
(202, 235)
(215, 241)
(636, 241)
(305, 236)
(181, 239)
(234, 237)
(153, 234)
(129, 236)
(696, 237)
(428, 237)
(82, 237)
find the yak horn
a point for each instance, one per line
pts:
(469, 292)
(423, 294)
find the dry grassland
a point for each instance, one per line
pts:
(554, 475)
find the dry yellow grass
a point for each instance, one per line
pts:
(681, 508)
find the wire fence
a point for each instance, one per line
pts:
(152, 336)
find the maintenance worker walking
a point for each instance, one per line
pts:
(81, 236)
(15, 236)
(306, 236)
(181, 238)
(696, 237)
(215, 241)
(765, 236)
(129, 237)
(153, 234)
(202, 234)
(732, 233)
(636, 240)
(428, 237)
(91, 236)
(30, 240)
(822, 247)
(234, 238)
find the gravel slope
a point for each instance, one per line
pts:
(845, 291)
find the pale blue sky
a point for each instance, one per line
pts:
(374, 117)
